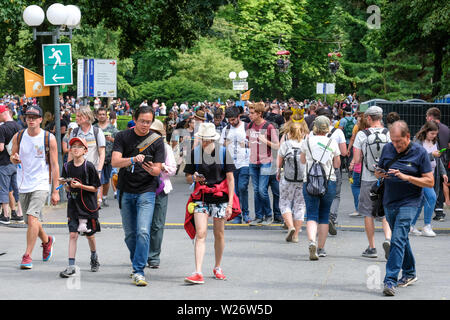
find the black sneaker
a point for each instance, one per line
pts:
(256, 222)
(69, 272)
(15, 217)
(370, 253)
(388, 290)
(4, 220)
(332, 228)
(406, 281)
(439, 216)
(94, 264)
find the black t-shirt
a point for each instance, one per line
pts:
(309, 121)
(214, 173)
(443, 140)
(78, 207)
(7, 131)
(138, 180)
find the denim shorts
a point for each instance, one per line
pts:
(211, 209)
(106, 174)
(318, 208)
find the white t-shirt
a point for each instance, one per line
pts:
(317, 145)
(237, 139)
(33, 175)
(360, 143)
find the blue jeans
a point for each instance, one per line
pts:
(318, 208)
(137, 215)
(400, 254)
(428, 202)
(241, 180)
(275, 187)
(356, 187)
(260, 174)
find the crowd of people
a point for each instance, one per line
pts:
(300, 150)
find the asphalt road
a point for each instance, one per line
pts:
(258, 262)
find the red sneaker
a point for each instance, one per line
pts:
(196, 278)
(47, 248)
(218, 273)
(26, 262)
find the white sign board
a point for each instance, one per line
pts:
(325, 88)
(97, 78)
(240, 85)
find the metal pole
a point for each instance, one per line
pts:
(57, 109)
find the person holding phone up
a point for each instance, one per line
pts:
(139, 153)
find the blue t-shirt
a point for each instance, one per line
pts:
(397, 192)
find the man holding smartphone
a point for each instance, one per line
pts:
(139, 153)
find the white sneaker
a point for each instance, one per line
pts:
(427, 231)
(414, 231)
(354, 214)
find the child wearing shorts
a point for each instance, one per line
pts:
(82, 182)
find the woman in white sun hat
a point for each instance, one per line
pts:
(209, 165)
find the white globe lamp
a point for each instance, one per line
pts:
(73, 16)
(33, 16)
(57, 14)
(232, 75)
(243, 74)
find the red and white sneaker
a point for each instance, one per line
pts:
(196, 278)
(218, 273)
(27, 262)
(47, 248)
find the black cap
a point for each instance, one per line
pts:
(34, 110)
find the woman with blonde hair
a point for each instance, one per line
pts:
(292, 203)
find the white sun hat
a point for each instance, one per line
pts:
(207, 131)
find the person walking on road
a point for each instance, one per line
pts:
(368, 146)
(210, 165)
(324, 151)
(82, 209)
(292, 203)
(8, 171)
(168, 169)
(427, 138)
(402, 195)
(36, 152)
(139, 153)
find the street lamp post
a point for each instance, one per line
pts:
(60, 16)
(243, 75)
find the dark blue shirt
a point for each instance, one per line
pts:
(400, 193)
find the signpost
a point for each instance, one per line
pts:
(97, 78)
(325, 88)
(57, 64)
(240, 85)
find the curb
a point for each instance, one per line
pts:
(228, 226)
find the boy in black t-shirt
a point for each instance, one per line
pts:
(82, 210)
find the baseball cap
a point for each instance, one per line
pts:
(373, 111)
(77, 139)
(322, 123)
(34, 110)
(3, 108)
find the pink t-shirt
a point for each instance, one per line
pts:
(260, 153)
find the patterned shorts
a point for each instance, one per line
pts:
(291, 199)
(211, 209)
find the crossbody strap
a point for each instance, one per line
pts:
(398, 156)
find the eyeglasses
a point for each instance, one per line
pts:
(145, 123)
(32, 118)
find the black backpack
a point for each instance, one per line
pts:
(316, 178)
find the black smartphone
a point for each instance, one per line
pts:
(379, 169)
(148, 158)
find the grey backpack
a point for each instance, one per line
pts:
(375, 142)
(293, 168)
(317, 180)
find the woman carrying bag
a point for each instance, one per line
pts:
(321, 156)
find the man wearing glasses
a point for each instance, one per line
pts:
(33, 176)
(139, 153)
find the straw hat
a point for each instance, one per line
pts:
(157, 125)
(207, 131)
(200, 115)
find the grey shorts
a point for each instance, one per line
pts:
(213, 210)
(32, 204)
(365, 203)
